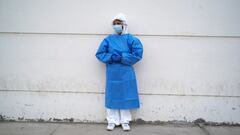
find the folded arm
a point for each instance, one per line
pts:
(136, 52)
(102, 53)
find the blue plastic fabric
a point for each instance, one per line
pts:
(116, 57)
(121, 85)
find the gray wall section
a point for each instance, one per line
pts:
(190, 69)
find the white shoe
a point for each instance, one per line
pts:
(110, 126)
(125, 126)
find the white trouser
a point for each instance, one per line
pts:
(118, 116)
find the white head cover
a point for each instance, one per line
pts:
(122, 17)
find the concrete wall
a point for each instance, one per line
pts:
(190, 69)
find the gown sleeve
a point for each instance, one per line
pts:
(102, 53)
(136, 51)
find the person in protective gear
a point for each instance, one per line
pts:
(120, 51)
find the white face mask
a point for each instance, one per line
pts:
(118, 28)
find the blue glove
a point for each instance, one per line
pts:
(116, 57)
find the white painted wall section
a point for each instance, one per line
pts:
(190, 69)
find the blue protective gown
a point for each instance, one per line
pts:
(121, 85)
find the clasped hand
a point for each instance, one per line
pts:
(116, 57)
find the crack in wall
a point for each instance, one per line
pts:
(92, 92)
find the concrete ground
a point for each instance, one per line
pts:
(28, 128)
